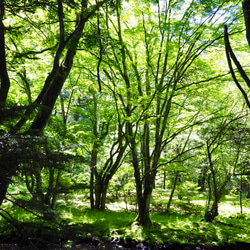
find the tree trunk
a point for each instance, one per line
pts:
(102, 178)
(103, 197)
(164, 179)
(48, 103)
(4, 78)
(101, 188)
(6, 173)
(143, 218)
(173, 189)
(241, 187)
(246, 9)
(202, 178)
(248, 189)
(212, 213)
(91, 190)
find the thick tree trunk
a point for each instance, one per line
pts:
(98, 188)
(48, 103)
(103, 197)
(213, 212)
(143, 217)
(101, 189)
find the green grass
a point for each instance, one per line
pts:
(182, 224)
(173, 227)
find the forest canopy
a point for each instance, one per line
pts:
(135, 104)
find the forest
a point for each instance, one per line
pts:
(124, 124)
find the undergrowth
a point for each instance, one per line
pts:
(183, 223)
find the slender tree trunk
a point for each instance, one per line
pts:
(241, 186)
(173, 189)
(164, 179)
(202, 179)
(213, 212)
(210, 214)
(50, 190)
(248, 189)
(246, 9)
(57, 186)
(91, 190)
(4, 78)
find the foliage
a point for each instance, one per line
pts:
(123, 105)
(188, 189)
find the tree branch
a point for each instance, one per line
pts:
(230, 54)
(61, 21)
(246, 12)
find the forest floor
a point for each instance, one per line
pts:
(183, 227)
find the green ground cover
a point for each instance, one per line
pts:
(183, 223)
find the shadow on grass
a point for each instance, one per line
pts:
(113, 226)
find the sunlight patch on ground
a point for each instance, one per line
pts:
(227, 209)
(199, 202)
(120, 206)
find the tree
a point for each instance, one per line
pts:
(223, 150)
(62, 51)
(102, 141)
(152, 74)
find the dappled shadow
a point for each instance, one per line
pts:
(85, 236)
(115, 230)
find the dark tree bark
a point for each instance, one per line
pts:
(231, 56)
(48, 103)
(246, 12)
(4, 78)
(144, 208)
(6, 173)
(248, 188)
(213, 212)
